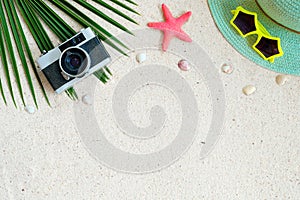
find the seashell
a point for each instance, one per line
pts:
(30, 109)
(86, 99)
(183, 65)
(227, 69)
(141, 57)
(249, 89)
(281, 79)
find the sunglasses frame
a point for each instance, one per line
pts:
(260, 31)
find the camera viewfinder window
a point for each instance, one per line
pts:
(73, 42)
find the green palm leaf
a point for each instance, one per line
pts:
(37, 30)
(105, 5)
(25, 43)
(2, 93)
(19, 39)
(9, 46)
(122, 5)
(102, 15)
(85, 21)
(33, 11)
(5, 66)
(56, 23)
(72, 94)
(132, 2)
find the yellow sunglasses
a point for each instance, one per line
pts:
(246, 23)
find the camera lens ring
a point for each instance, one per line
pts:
(74, 62)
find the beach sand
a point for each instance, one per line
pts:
(255, 156)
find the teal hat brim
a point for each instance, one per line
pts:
(289, 63)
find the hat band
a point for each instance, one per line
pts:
(268, 9)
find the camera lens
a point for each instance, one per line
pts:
(74, 62)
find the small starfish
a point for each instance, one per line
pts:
(171, 27)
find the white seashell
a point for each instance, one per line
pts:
(249, 89)
(227, 69)
(281, 79)
(183, 65)
(30, 109)
(141, 57)
(86, 99)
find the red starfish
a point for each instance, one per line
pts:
(171, 27)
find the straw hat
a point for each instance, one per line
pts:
(280, 17)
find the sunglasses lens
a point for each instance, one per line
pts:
(245, 22)
(268, 47)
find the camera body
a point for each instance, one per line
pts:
(73, 60)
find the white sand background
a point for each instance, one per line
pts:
(257, 157)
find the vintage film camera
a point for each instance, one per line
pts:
(73, 60)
